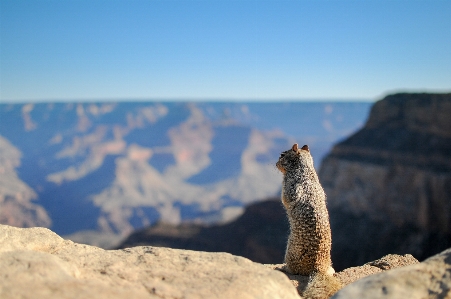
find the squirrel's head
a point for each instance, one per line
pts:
(294, 158)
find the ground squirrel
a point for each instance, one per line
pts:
(309, 243)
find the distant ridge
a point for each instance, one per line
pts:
(259, 234)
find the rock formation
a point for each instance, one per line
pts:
(111, 168)
(37, 263)
(16, 197)
(389, 184)
(430, 279)
(350, 275)
(259, 234)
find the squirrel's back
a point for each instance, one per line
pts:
(309, 243)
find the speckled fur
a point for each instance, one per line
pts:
(309, 243)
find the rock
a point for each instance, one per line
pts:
(299, 281)
(388, 185)
(347, 276)
(37, 263)
(391, 261)
(429, 279)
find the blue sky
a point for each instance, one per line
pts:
(246, 50)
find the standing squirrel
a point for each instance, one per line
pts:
(310, 240)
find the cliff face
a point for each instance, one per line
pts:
(389, 184)
(16, 206)
(259, 234)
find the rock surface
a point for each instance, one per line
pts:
(350, 275)
(389, 184)
(430, 279)
(388, 262)
(37, 263)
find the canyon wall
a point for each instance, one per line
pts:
(389, 184)
(17, 199)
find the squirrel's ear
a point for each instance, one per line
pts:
(305, 148)
(295, 147)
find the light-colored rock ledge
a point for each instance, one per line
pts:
(430, 279)
(37, 263)
(350, 275)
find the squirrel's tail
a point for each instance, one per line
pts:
(321, 286)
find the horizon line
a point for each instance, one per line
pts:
(216, 99)
(185, 100)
